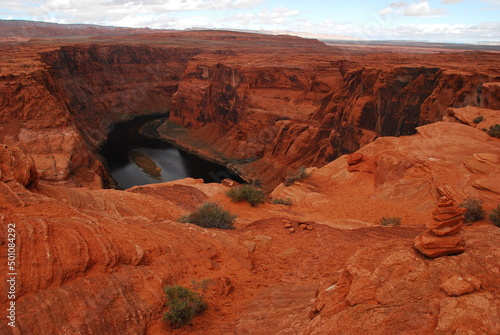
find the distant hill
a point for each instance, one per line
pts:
(486, 46)
(34, 29)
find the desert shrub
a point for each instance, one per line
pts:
(183, 304)
(390, 221)
(475, 211)
(249, 193)
(495, 216)
(210, 215)
(300, 174)
(494, 131)
(478, 119)
(257, 183)
(283, 201)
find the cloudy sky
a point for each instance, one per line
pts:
(467, 21)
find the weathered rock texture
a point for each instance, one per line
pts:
(95, 261)
(444, 235)
(279, 112)
(81, 90)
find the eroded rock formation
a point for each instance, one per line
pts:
(95, 261)
(268, 114)
(443, 237)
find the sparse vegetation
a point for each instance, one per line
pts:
(183, 304)
(475, 211)
(390, 221)
(495, 216)
(494, 131)
(283, 201)
(478, 119)
(249, 193)
(210, 215)
(299, 175)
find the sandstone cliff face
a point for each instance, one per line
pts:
(238, 102)
(105, 84)
(33, 118)
(309, 112)
(81, 90)
(59, 103)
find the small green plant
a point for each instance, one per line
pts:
(495, 216)
(475, 211)
(283, 201)
(494, 131)
(299, 175)
(478, 119)
(183, 304)
(390, 221)
(249, 193)
(210, 215)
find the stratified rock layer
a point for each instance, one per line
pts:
(443, 237)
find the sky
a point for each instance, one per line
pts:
(457, 21)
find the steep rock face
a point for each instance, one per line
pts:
(81, 90)
(104, 84)
(33, 118)
(308, 113)
(58, 103)
(244, 98)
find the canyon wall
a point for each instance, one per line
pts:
(80, 90)
(270, 114)
(59, 104)
(105, 84)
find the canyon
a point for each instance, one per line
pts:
(382, 133)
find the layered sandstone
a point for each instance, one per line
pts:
(96, 260)
(268, 115)
(82, 89)
(443, 236)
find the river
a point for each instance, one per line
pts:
(134, 159)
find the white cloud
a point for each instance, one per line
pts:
(420, 9)
(451, 2)
(279, 15)
(495, 4)
(100, 11)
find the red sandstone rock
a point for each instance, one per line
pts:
(123, 247)
(448, 216)
(456, 286)
(16, 166)
(354, 158)
(453, 245)
(449, 230)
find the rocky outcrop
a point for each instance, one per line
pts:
(312, 110)
(104, 84)
(81, 90)
(444, 235)
(96, 261)
(382, 292)
(124, 246)
(449, 159)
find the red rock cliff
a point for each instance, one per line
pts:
(281, 112)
